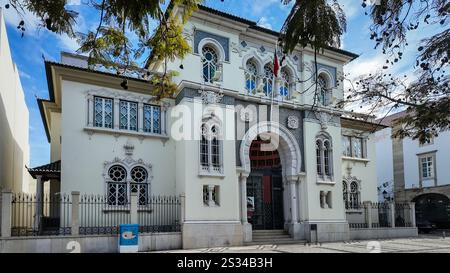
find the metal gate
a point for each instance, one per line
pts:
(265, 201)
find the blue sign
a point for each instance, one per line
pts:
(129, 235)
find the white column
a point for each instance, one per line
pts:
(183, 208)
(134, 208)
(116, 113)
(243, 184)
(6, 213)
(392, 210)
(286, 203)
(412, 210)
(140, 116)
(75, 222)
(163, 119)
(39, 200)
(368, 212)
(293, 196)
(90, 111)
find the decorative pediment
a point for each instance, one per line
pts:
(210, 97)
(293, 122)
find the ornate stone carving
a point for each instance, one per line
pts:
(324, 119)
(293, 122)
(210, 97)
(247, 115)
(129, 149)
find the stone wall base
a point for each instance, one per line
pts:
(87, 244)
(326, 231)
(212, 234)
(382, 233)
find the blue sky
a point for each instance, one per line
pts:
(27, 52)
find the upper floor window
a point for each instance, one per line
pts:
(103, 112)
(251, 74)
(210, 149)
(426, 166)
(285, 83)
(210, 63)
(127, 114)
(324, 156)
(353, 147)
(268, 79)
(152, 119)
(128, 119)
(323, 90)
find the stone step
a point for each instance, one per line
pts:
(270, 236)
(276, 231)
(275, 242)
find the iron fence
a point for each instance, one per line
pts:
(36, 216)
(52, 214)
(99, 216)
(379, 215)
(403, 215)
(160, 214)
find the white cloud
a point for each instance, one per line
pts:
(350, 7)
(265, 23)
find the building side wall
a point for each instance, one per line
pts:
(84, 155)
(14, 121)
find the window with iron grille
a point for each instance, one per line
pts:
(210, 63)
(103, 112)
(152, 119)
(251, 75)
(323, 92)
(268, 79)
(210, 149)
(285, 83)
(128, 115)
(324, 157)
(117, 186)
(139, 184)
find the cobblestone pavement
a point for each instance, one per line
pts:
(425, 243)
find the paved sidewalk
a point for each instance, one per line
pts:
(414, 245)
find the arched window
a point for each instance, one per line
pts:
(117, 185)
(204, 147)
(323, 90)
(354, 195)
(319, 157)
(139, 184)
(345, 194)
(210, 63)
(324, 155)
(268, 79)
(251, 76)
(210, 149)
(285, 83)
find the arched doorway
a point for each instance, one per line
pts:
(434, 208)
(286, 149)
(265, 188)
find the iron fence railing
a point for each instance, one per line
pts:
(160, 214)
(98, 216)
(52, 215)
(35, 216)
(379, 215)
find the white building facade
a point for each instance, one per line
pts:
(415, 172)
(241, 158)
(14, 122)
